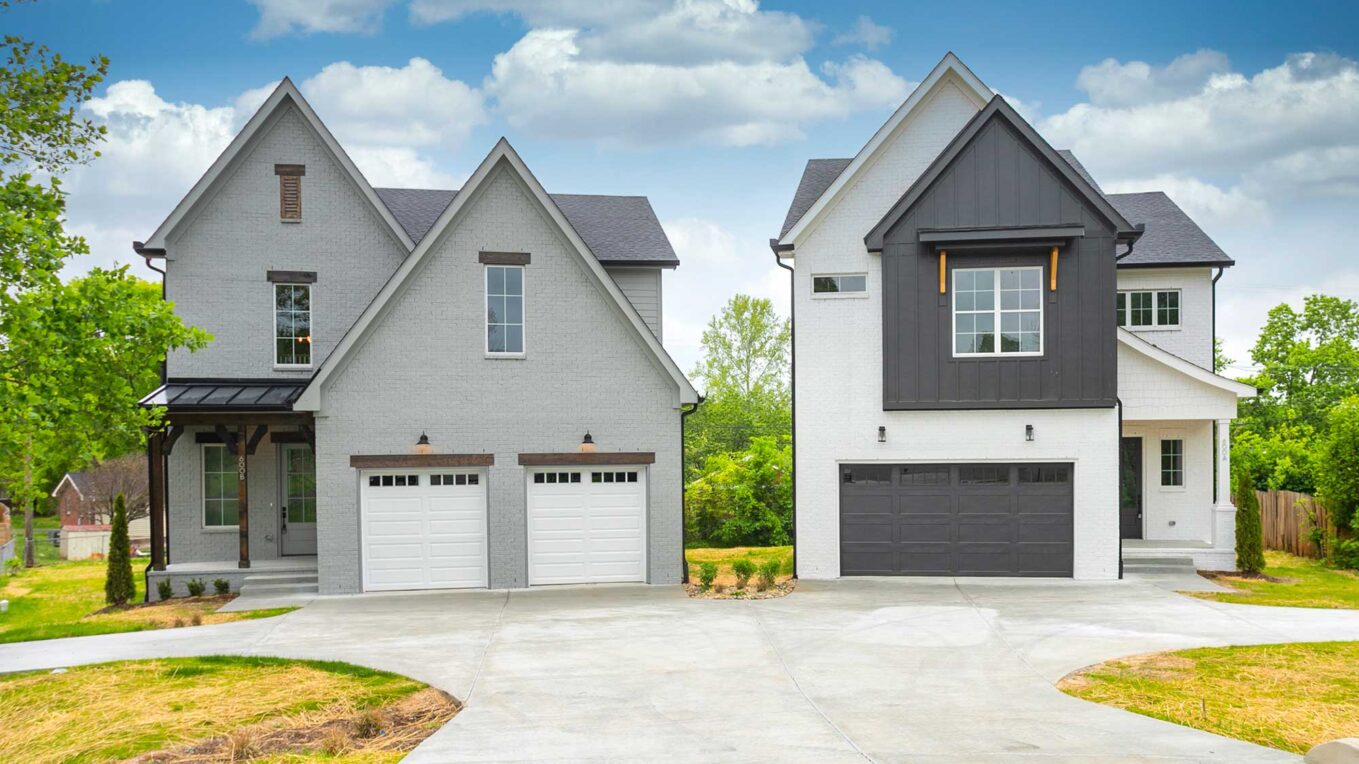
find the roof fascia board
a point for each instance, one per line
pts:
(1194, 371)
(1184, 264)
(310, 400)
(948, 65)
(998, 108)
(286, 91)
(64, 480)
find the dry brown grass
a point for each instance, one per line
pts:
(1288, 696)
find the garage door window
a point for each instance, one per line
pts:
(1037, 475)
(984, 475)
(868, 475)
(389, 481)
(557, 477)
(454, 479)
(613, 477)
(917, 475)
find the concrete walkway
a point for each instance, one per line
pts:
(910, 670)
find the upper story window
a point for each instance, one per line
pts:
(292, 325)
(842, 284)
(290, 191)
(1149, 309)
(505, 309)
(997, 311)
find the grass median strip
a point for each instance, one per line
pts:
(1291, 582)
(1288, 696)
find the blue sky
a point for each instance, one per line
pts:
(1246, 112)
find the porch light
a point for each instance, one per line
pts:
(587, 444)
(1028, 432)
(882, 434)
(422, 445)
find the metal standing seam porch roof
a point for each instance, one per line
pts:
(185, 395)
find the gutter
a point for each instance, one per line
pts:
(684, 500)
(1213, 367)
(147, 254)
(792, 376)
(1141, 228)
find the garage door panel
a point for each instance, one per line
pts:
(961, 519)
(424, 535)
(587, 531)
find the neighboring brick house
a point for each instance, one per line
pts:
(85, 518)
(999, 369)
(409, 388)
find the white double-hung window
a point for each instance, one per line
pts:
(997, 311)
(1149, 309)
(505, 310)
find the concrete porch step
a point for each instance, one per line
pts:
(271, 584)
(270, 590)
(1185, 562)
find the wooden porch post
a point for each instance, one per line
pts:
(243, 495)
(155, 459)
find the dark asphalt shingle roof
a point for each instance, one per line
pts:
(81, 480)
(817, 176)
(619, 230)
(1172, 237)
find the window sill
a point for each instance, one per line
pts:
(1172, 489)
(506, 356)
(221, 528)
(292, 368)
(290, 220)
(995, 356)
(1175, 328)
(839, 295)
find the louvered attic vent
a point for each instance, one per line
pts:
(290, 190)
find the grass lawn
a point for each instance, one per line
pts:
(1307, 583)
(43, 552)
(725, 557)
(1290, 696)
(60, 599)
(224, 708)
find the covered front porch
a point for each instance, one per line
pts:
(233, 484)
(1175, 496)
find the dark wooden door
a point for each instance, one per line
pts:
(1130, 488)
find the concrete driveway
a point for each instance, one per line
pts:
(912, 670)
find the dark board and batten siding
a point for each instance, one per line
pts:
(999, 180)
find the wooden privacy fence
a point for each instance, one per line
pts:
(1286, 521)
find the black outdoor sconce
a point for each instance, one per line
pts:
(882, 434)
(1028, 432)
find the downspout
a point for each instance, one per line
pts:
(151, 473)
(1119, 401)
(1217, 458)
(684, 497)
(792, 386)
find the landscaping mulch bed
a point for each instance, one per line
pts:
(397, 727)
(1221, 576)
(720, 592)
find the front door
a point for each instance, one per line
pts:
(298, 515)
(1130, 488)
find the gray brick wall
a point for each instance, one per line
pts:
(423, 369)
(189, 540)
(217, 261)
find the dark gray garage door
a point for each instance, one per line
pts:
(955, 519)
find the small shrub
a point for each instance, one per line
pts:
(707, 573)
(743, 569)
(1250, 552)
(179, 623)
(13, 566)
(221, 586)
(119, 586)
(196, 587)
(769, 571)
(370, 724)
(165, 589)
(242, 744)
(196, 619)
(1344, 553)
(335, 742)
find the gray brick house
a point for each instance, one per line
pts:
(409, 388)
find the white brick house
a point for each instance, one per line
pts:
(407, 388)
(998, 368)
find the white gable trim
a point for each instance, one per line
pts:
(310, 399)
(1134, 342)
(286, 91)
(949, 65)
(64, 480)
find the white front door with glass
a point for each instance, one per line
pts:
(297, 524)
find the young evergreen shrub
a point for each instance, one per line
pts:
(221, 586)
(196, 587)
(769, 571)
(119, 586)
(707, 573)
(1250, 552)
(743, 569)
(165, 589)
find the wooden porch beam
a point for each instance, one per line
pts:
(210, 419)
(172, 434)
(155, 463)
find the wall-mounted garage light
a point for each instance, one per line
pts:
(422, 445)
(1028, 432)
(882, 434)
(587, 444)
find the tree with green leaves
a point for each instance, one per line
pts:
(75, 358)
(119, 587)
(1250, 551)
(743, 498)
(1221, 361)
(1338, 466)
(744, 373)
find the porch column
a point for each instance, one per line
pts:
(243, 496)
(1224, 511)
(155, 466)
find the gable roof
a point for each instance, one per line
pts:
(286, 93)
(502, 153)
(1172, 238)
(948, 67)
(1132, 341)
(620, 230)
(999, 109)
(817, 176)
(80, 481)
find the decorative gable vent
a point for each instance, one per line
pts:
(290, 190)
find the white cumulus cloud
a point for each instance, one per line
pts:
(282, 17)
(867, 33)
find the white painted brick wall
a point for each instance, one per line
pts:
(217, 262)
(1193, 340)
(424, 369)
(1190, 506)
(839, 374)
(1152, 390)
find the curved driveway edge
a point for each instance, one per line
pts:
(917, 670)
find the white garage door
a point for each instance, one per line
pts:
(423, 529)
(587, 525)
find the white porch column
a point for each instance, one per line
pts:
(1224, 512)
